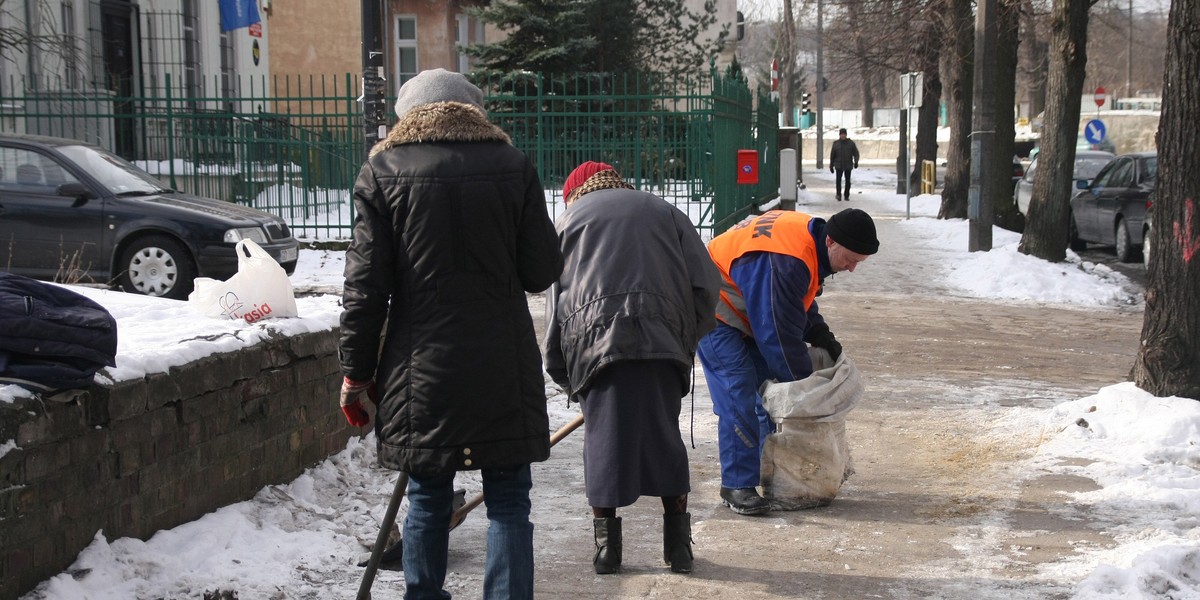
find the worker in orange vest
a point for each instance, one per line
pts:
(772, 267)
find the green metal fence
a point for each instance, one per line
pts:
(293, 146)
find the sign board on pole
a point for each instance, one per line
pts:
(1094, 131)
(911, 85)
(1099, 97)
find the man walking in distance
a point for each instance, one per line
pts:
(772, 266)
(843, 157)
(450, 233)
(637, 292)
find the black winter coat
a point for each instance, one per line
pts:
(451, 233)
(52, 338)
(843, 155)
(638, 285)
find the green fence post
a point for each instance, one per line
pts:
(170, 137)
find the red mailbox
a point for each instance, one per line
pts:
(747, 166)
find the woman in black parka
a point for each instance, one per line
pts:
(451, 232)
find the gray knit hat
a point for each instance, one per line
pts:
(437, 85)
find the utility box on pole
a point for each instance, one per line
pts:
(789, 137)
(787, 179)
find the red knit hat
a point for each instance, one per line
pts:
(581, 174)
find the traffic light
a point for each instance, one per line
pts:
(804, 97)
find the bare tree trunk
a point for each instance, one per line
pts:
(927, 115)
(1168, 363)
(1033, 61)
(1004, 97)
(1049, 216)
(787, 65)
(868, 94)
(959, 68)
(862, 52)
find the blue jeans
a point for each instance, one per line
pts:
(734, 369)
(508, 572)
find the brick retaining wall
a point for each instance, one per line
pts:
(154, 453)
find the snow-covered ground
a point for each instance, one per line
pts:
(297, 540)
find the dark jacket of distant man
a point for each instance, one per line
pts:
(843, 155)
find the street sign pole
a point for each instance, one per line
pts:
(911, 87)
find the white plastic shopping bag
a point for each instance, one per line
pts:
(259, 290)
(807, 458)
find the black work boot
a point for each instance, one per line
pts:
(744, 501)
(677, 542)
(608, 545)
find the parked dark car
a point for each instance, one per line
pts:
(1112, 209)
(1087, 164)
(70, 211)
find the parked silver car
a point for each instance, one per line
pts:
(1087, 164)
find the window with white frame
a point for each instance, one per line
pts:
(406, 48)
(462, 39)
(70, 46)
(191, 48)
(228, 68)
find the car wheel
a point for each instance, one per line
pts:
(1073, 240)
(157, 265)
(1146, 246)
(1125, 250)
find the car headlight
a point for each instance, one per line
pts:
(234, 236)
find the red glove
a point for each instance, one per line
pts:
(351, 399)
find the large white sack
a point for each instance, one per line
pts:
(807, 458)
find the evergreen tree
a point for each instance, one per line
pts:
(543, 36)
(669, 36)
(598, 36)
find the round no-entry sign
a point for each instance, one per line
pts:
(1099, 96)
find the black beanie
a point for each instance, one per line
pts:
(854, 229)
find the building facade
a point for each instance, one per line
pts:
(323, 37)
(128, 47)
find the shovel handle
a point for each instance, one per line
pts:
(385, 529)
(461, 514)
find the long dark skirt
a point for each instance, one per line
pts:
(632, 446)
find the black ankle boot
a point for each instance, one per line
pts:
(608, 545)
(677, 542)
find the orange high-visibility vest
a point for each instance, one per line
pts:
(778, 231)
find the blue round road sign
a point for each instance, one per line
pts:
(1094, 131)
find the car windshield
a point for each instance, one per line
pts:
(1087, 168)
(1149, 170)
(112, 171)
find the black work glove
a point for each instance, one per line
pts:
(821, 337)
(830, 168)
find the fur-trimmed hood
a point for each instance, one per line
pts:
(442, 122)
